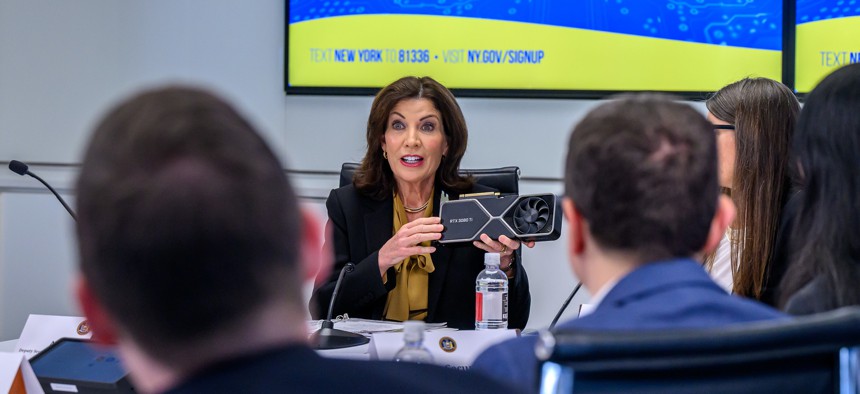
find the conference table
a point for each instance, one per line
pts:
(355, 353)
(361, 352)
(449, 347)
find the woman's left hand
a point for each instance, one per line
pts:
(505, 247)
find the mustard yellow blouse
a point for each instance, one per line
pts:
(408, 299)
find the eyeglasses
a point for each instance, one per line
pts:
(724, 127)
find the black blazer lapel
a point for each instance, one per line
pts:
(378, 223)
(440, 257)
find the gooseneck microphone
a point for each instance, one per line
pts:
(23, 169)
(328, 337)
(564, 306)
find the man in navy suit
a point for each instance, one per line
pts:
(642, 201)
(193, 251)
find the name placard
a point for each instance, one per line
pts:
(455, 349)
(41, 331)
(16, 375)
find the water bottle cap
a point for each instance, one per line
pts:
(492, 259)
(413, 330)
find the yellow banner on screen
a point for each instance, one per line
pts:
(824, 46)
(373, 50)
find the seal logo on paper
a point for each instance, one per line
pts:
(448, 344)
(83, 328)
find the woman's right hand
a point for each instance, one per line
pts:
(406, 242)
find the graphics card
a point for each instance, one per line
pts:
(535, 217)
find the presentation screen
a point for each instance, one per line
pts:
(827, 37)
(533, 45)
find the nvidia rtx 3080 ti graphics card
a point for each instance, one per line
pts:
(535, 217)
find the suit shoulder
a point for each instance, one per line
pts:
(512, 349)
(348, 191)
(349, 197)
(416, 378)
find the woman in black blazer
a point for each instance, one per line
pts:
(386, 222)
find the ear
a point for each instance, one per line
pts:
(100, 322)
(723, 218)
(315, 259)
(576, 223)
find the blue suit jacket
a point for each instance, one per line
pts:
(661, 295)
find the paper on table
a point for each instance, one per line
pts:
(456, 349)
(16, 375)
(41, 331)
(365, 326)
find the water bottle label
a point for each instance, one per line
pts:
(479, 306)
(491, 306)
(505, 306)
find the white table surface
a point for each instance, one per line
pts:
(356, 352)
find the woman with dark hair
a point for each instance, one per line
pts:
(386, 220)
(753, 119)
(825, 265)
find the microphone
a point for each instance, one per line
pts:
(23, 169)
(564, 306)
(328, 337)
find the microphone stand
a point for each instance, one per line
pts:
(22, 169)
(328, 337)
(564, 306)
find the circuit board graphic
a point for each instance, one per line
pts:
(739, 23)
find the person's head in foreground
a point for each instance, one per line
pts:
(641, 186)
(192, 244)
(642, 200)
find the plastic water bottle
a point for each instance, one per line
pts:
(491, 295)
(413, 350)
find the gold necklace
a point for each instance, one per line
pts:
(418, 209)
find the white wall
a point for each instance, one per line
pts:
(62, 63)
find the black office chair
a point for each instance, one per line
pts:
(504, 179)
(816, 354)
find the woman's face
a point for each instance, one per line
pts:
(725, 151)
(414, 141)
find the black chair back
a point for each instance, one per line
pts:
(817, 354)
(504, 179)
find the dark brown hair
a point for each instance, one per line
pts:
(763, 112)
(642, 172)
(187, 223)
(374, 177)
(825, 238)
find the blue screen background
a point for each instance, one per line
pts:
(816, 10)
(739, 23)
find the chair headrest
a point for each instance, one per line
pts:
(347, 171)
(833, 329)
